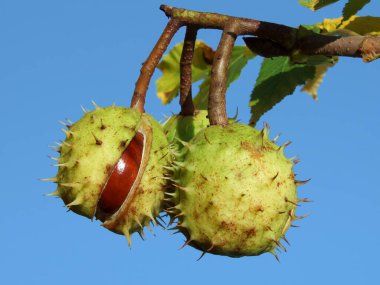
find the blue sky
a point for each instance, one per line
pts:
(58, 55)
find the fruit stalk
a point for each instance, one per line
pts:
(146, 72)
(186, 100)
(219, 73)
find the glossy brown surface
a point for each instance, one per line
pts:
(122, 177)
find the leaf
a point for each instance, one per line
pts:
(312, 85)
(316, 4)
(307, 30)
(364, 25)
(239, 58)
(330, 25)
(168, 84)
(360, 25)
(352, 7)
(277, 79)
(201, 100)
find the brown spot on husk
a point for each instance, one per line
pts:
(251, 232)
(252, 150)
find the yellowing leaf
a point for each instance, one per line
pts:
(361, 25)
(168, 84)
(330, 25)
(312, 85)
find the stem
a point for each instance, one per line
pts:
(186, 100)
(218, 86)
(142, 84)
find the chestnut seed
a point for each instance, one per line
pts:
(122, 177)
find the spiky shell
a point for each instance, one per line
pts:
(236, 192)
(90, 152)
(183, 128)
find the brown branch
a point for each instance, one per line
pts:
(186, 100)
(142, 84)
(366, 47)
(219, 71)
(275, 39)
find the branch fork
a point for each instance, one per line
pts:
(269, 40)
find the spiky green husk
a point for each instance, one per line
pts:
(92, 147)
(180, 129)
(183, 128)
(236, 192)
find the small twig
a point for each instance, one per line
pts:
(284, 35)
(142, 84)
(219, 73)
(186, 100)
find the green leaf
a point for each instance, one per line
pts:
(168, 84)
(352, 7)
(307, 30)
(239, 58)
(278, 78)
(201, 100)
(316, 4)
